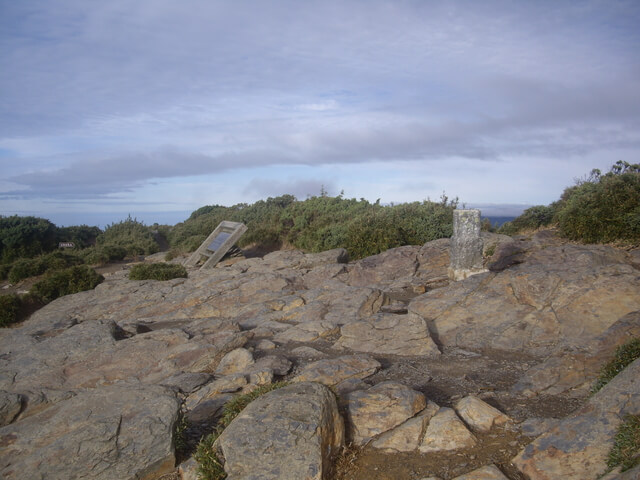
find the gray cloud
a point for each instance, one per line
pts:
(305, 83)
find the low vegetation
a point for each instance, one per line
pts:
(626, 445)
(209, 465)
(65, 282)
(624, 355)
(322, 223)
(10, 306)
(157, 271)
(600, 208)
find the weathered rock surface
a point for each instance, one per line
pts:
(332, 372)
(386, 333)
(121, 431)
(560, 299)
(574, 372)
(381, 408)
(287, 434)
(10, 406)
(446, 432)
(578, 446)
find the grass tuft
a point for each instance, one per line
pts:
(624, 355)
(626, 447)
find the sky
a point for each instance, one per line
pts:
(154, 108)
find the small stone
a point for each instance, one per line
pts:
(265, 344)
(307, 352)
(261, 377)
(235, 361)
(479, 415)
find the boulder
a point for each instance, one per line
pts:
(381, 408)
(446, 432)
(387, 333)
(578, 446)
(407, 436)
(235, 361)
(120, 431)
(287, 434)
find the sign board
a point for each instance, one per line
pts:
(217, 244)
(66, 245)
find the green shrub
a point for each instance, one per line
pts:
(209, 465)
(25, 268)
(82, 236)
(603, 208)
(9, 309)
(4, 271)
(65, 282)
(626, 445)
(30, 267)
(157, 271)
(623, 356)
(25, 237)
(133, 236)
(531, 219)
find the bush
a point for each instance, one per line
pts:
(133, 236)
(82, 236)
(9, 309)
(531, 219)
(623, 356)
(25, 237)
(603, 208)
(25, 268)
(30, 267)
(157, 271)
(65, 282)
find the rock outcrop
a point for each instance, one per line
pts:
(91, 385)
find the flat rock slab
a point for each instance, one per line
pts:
(334, 371)
(288, 434)
(561, 298)
(388, 333)
(123, 432)
(381, 408)
(578, 446)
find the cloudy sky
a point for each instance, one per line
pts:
(157, 107)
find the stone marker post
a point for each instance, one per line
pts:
(466, 245)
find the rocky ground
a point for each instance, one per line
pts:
(395, 372)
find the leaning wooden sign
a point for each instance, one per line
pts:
(217, 244)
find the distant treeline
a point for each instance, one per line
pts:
(322, 223)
